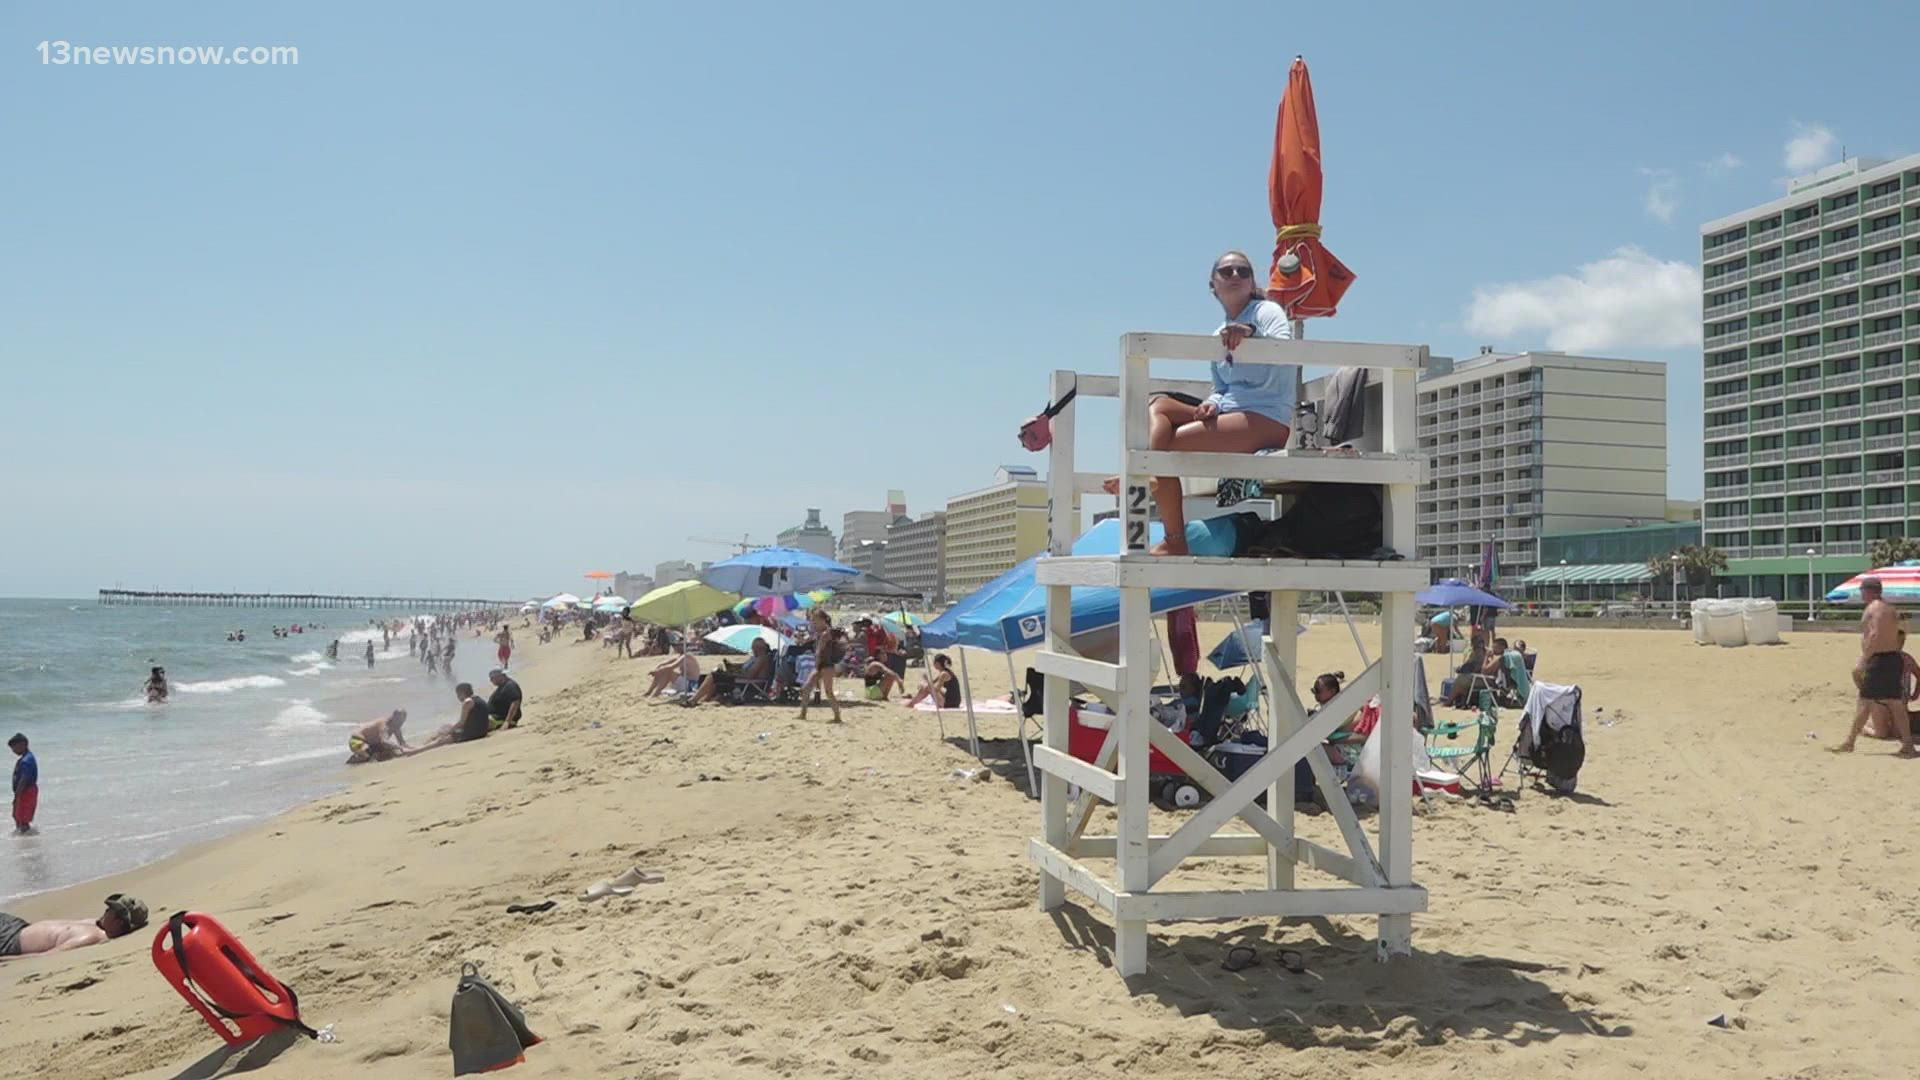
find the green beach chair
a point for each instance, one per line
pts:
(1466, 746)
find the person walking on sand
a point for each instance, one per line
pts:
(829, 649)
(504, 641)
(1251, 406)
(1879, 672)
(26, 784)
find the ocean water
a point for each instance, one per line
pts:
(251, 729)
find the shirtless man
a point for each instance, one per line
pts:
(378, 740)
(18, 937)
(1879, 671)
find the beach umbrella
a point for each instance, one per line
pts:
(1899, 584)
(741, 638)
(1452, 592)
(565, 599)
(597, 575)
(1305, 278)
(777, 605)
(680, 603)
(609, 603)
(793, 621)
(775, 571)
(900, 620)
(745, 605)
(1242, 647)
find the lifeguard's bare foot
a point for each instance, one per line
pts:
(1111, 485)
(1843, 748)
(1166, 547)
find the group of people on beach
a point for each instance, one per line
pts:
(384, 738)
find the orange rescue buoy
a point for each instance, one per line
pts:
(216, 974)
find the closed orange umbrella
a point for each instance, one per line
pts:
(1312, 281)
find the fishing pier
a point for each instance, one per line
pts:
(308, 601)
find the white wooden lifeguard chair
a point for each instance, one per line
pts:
(1367, 882)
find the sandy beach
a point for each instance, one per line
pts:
(835, 903)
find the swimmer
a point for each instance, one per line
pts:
(156, 687)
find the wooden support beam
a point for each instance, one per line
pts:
(1107, 386)
(1408, 358)
(1220, 846)
(1287, 466)
(1059, 866)
(1268, 903)
(1234, 575)
(1058, 763)
(1280, 758)
(1093, 673)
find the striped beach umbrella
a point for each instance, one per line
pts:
(1900, 584)
(741, 638)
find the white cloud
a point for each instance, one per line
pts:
(1663, 193)
(1627, 300)
(1726, 162)
(1812, 146)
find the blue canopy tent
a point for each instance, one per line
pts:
(1452, 592)
(1009, 613)
(1015, 617)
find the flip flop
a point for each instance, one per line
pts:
(622, 885)
(1291, 960)
(1240, 958)
(530, 909)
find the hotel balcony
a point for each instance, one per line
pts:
(1769, 457)
(1807, 452)
(1841, 412)
(1805, 485)
(1841, 314)
(1887, 512)
(1840, 281)
(1721, 341)
(1764, 237)
(1803, 322)
(1887, 442)
(1724, 401)
(1889, 407)
(1883, 338)
(1718, 311)
(1883, 477)
(1843, 448)
(1809, 352)
(1804, 517)
(1803, 226)
(1805, 288)
(1840, 214)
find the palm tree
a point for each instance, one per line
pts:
(1698, 563)
(1894, 549)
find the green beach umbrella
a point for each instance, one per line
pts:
(681, 603)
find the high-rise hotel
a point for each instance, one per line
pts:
(1811, 319)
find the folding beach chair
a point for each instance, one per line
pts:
(1471, 758)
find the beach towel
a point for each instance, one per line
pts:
(485, 1030)
(988, 705)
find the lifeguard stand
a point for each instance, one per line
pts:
(1378, 884)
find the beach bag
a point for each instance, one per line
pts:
(1183, 641)
(484, 1029)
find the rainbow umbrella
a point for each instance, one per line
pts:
(1899, 584)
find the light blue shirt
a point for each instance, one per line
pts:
(1268, 389)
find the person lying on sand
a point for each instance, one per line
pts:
(18, 937)
(378, 740)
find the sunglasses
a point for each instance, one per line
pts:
(1233, 270)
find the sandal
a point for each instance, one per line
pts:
(1291, 960)
(1240, 958)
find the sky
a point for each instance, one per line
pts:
(477, 297)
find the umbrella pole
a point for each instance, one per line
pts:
(1020, 719)
(966, 692)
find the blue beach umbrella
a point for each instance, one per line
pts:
(1242, 647)
(1452, 592)
(776, 571)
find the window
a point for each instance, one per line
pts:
(1805, 243)
(1844, 398)
(1884, 256)
(1844, 200)
(1845, 232)
(1802, 213)
(1884, 187)
(1804, 277)
(1843, 266)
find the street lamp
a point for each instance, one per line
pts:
(1809, 584)
(1563, 588)
(1676, 584)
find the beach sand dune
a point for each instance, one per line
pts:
(835, 902)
